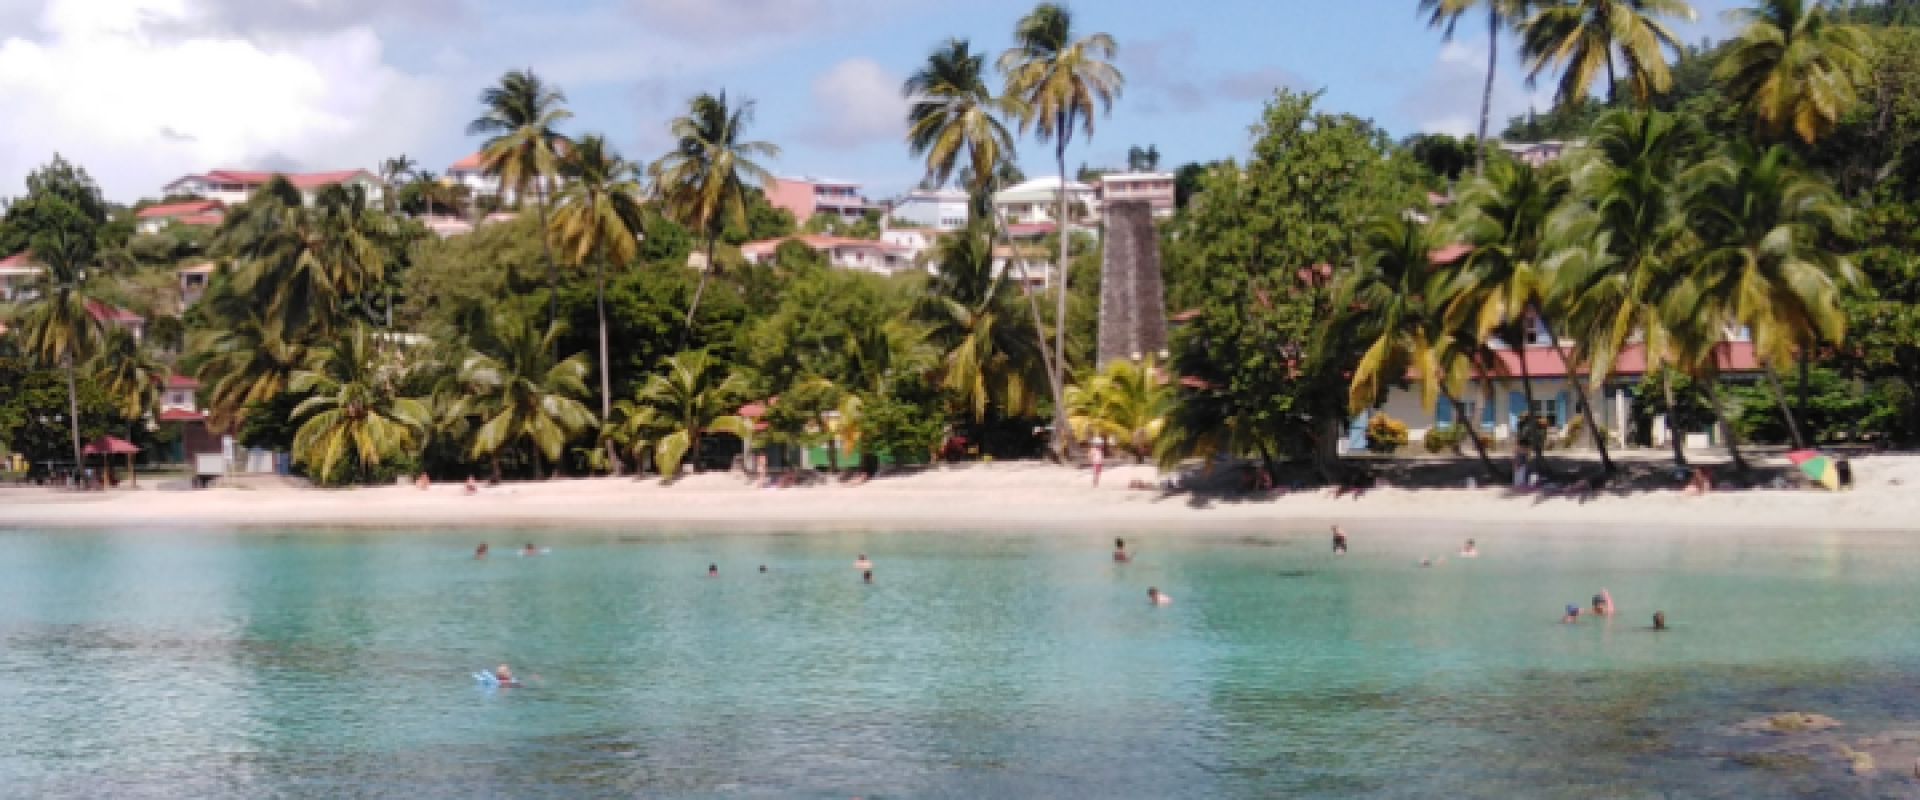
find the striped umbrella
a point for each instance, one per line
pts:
(1817, 466)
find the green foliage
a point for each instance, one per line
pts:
(901, 430)
(1836, 408)
(34, 393)
(1385, 434)
(269, 424)
(1440, 440)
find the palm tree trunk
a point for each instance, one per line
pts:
(553, 272)
(1673, 429)
(1460, 413)
(606, 382)
(1786, 411)
(1580, 386)
(1486, 96)
(495, 458)
(1726, 426)
(1033, 302)
(1804, 359)
(73, 412)
(1063, 443)
(705, 271)
(1613, 93)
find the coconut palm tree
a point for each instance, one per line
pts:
(353, 410)
(703, 181)
(1387, 295)
(1062, 81)
(432, 193)
(128, 374)
(1793, 67)
(59, 326)
(1584, 35)
(676, 408)
(1498, 284)
(522, 393)
(392, 171)
(245, 364)
(599, 219)
(299, 265)
(1126, 402)
(523, 149)
(988, 354)
(1502, 15)
(1765, 259)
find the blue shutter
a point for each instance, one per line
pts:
(1357, 431)
(1516, 405)
(1443, 413)
(1561, 409)
(1486, 413)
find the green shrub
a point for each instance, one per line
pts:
(1385, 434)
(1443, 440)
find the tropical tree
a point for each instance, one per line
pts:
(244, 365)
(988, 354)
(427, 189)
(1502, 15)
(1794, 67)
(691, 398)
(703, 181)
(352, 414)
(523, 149)
(59, 326)
(1765, 259)
(299, 265)
(128, 374)
(1499, 283)
(1126, 402)
(599, 219)
(392, 171)
(1062, 81)
(1584, 36)
(522, 393)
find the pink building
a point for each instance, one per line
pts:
(885, 258)
(805, 197)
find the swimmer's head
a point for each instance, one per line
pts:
(868, 576)
(713, 569)
(1659, 620)
(1119, 544)
(763, 568)
(1573, 610)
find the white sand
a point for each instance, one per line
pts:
(998, 496)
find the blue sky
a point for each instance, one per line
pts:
(322, 84)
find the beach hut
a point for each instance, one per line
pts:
(106, 447)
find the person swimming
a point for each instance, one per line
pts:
(763, 569)
(1339, 539)
(1600, 608)
(1157, 597)
(1573, 615)
(529, 550)
(713, 570)
(868, 577)
(481, 551)
(1426, 562)
(1659, 620)
(503, 675)
(1468, 551)
(862, 562)
(1120, 551)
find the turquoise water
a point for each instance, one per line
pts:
(329, 663)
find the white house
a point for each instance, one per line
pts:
(942, 209)
(17, 274)
(1156, 188)
(193, 212)
(1034, 201)
(232, 187)
(878, 257)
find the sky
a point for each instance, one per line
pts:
(140, 92)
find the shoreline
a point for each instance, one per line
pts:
(1001, 497)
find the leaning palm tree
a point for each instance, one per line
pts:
(128, 374)
(599, 219)
(1584, 36)
(1125, 402)
(703, 181)
(1062, 80)
(1765, 258)
(1502, 15)
(352, 414)
(523, 149)
(1498, 285)
(244, 365)
(989, 356)
(688, 400)
(1387, 297)
(521, 393)
(1793, 67)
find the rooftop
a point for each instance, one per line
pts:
(190, 208)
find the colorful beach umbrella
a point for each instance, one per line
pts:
(1817, 466)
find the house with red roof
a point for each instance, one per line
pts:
(193, 212)
(17, 275)
(233, 186)
(859, 254)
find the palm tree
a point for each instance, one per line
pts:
(1764, 259)
(523, 149)
(433, 193)
(1616, 240)
(353, 410)
(522, 393)
(299, 265)
(128, 374)
(1498, 285)
(1501, 15)
(599, 219)
(1386, 296)
(703, 181)
(1062, 81)
(678, 407)
(392, 171)
(59, 326)
(246, 364)
(988, 356)
(1793, 67)
(1584, 34)
(1125, 402)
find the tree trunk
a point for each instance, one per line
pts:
(1726, 426)
(539, 470)
(606, 381)
(1273, 470)
(553, 272)
(1613, 92)
(1460, 413)
(705, 271)
(73, 411)
(1674, 434)
(494, 457)
(1063, 441)
(1786, 412)
(1580, 386)
(1805, 358)
(1486, 96)
(1033, 303)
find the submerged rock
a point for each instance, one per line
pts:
(1790, 722)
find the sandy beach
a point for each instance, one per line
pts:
(978, 496)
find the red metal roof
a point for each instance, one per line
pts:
(182, 382)
(181, 415)
(470, 162)
(202, 219)
(20, 259)
(110, 445)
(180, 209)
(1543, 362)
(109, 313)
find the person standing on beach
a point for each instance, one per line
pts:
(1096, 455)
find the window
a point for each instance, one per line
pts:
(1548, 410)
(1465, 412)
(1537, 334)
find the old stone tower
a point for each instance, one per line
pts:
(1133, 310)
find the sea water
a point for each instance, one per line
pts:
(263, 663)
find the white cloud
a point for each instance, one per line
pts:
(138, 109)
(1447, 100)
(857, 101)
